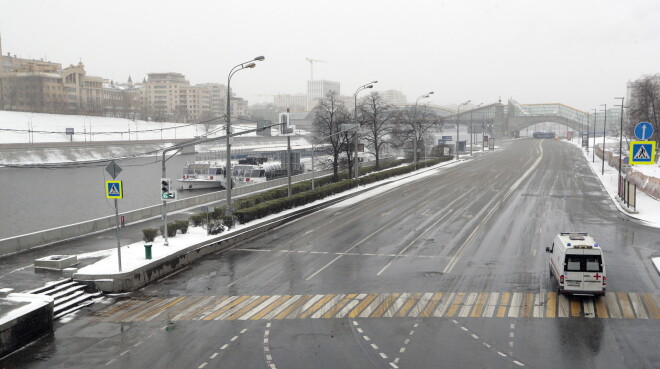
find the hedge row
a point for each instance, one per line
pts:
(262, 207)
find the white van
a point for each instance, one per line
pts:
(577, 264)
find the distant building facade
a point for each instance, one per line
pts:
(394, 97)
(293, 102)
(318, 89)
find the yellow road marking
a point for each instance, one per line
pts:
(428, 310)
(455, 305)
(601, 307)
(551, 305)
(527, 306)
(316, 306)
(156, 311)
(408, 305)
(576, 307)
(293, 307)
(361, 306)
(270, 307)
(226, 307)
(249, 307)
(199, 311)
(626, 308)
(138, 304)
(335, 309)
(379, 311)
(504, 303)
(651, 308)
(479, 305)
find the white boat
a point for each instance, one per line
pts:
(203, 174)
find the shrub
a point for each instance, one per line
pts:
(215, 227)
(171, 229)
(149, 234)
(199, 219)
(182, 225)
(228, 221)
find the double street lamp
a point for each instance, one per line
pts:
(228, 180)
(414, 125)
(457, 116)
(620, 143)
(357, 126)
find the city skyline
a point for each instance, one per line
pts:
(580, 54)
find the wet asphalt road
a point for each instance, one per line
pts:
(454, 239)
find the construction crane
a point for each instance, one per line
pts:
(311, 65)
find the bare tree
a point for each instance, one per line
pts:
(414, 123)
(644, 104)
(329, 115)
(377, 117)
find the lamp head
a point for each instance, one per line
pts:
(260, 58)
(430, 93)
(251, 65)
(374, 82)
(370, 86)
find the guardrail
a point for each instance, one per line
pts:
(54, 235)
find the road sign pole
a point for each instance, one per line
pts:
(118, 243)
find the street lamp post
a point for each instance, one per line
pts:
(361, 88)
(228, 184)
(593, 151)
(471, 131)
(620, 144)
(458, 111)
(414, 125)
(604, 129)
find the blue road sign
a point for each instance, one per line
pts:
(114, 190)
(642, 152)
(643, 131)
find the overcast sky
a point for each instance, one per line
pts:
(577, 52)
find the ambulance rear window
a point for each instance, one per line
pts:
(583, 263)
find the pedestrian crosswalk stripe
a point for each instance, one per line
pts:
(516, 305)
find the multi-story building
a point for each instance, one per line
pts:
(122, 99)
(293, 102)
(394, 97)
(215, 96)
(162, 96)
(318, 89)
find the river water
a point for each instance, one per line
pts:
(34, 199)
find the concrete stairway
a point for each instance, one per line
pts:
(69, 296)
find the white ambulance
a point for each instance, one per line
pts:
(577, 264)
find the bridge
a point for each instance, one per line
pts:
(504, 119)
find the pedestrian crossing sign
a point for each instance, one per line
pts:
(642, 152)
(114, 190)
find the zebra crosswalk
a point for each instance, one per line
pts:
(548, 305)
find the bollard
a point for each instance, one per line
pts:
(147, 252)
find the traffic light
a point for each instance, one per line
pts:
(166, 192)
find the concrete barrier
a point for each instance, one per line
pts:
(29, 317)
(24, 242)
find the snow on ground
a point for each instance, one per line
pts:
(648, 207)
(24, 127)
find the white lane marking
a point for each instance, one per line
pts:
(236, 308)
(306, 306)
(269, 358)
(374, 304)
(138, 344)
(282, 307)
(224, 346)
(374, 346)
(402, 350)
(612, 305)
(125, 352)
(244, 330)
(213, 356)
(492, 304)
(218, 307)
(257, 309)
(329, 305)
(421, 304)
(366, 338)
(501, 353)
(465, 311)
(403, 251)
(203, 365)
(515, 185)
(234, 338)
(638, 306)
(398, 303)
(588, 306)
(360, 330)
(563, 306)
(110, 362)
(538, 305)
(383, 355)
(518, 363)
(514, 309)
(443, 305)
(347, 309)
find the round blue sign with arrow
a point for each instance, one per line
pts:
(643, 130)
